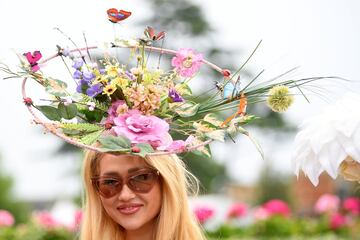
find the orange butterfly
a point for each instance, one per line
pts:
(116, 16)
(240, 112)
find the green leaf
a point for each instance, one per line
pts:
(243, 119)
(183, 89)
(50, 112)
(213, 119)
(257, 145)
(204, 127)
(91, 137)
(217, 135)
(185, 109)
(67, 112)
(82, 127)
(115, 144)
(203, 151)
(56, 87)
(145, 148)
(93, 116)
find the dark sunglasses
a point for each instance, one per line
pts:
(141, 181)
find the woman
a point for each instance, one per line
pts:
(129, 197)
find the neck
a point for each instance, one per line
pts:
(146, 232)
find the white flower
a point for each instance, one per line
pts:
(327, 140)
(91, 106)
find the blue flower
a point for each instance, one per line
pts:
(78, 63)
(88, 76)
(77, 74)
(94, 90)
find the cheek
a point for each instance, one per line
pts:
(154, 199)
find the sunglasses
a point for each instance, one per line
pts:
(141, 181)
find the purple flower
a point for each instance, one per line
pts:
(94, 90)
(88, 76)
(66, 52)
(175, 96)
(102, 71)
(130, 75)
(143, 129)
(77, 74)
(78, 62)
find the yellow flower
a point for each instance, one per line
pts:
(279, 99)
(112, 70)
(109, 89)
(122, 82)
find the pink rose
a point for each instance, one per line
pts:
(187, 62)
(237, 210)
(277, 207)
(6, 219)
(337, 221)
(46, 220)
(327, 203)
(352, 204)
(142, 129)
(203, 214)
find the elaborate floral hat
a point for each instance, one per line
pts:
(110, 103)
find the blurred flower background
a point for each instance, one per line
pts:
(40, 186)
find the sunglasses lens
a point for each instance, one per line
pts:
(108, 187)
(142, 183)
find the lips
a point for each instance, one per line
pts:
(128, 209)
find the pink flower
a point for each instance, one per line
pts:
(6, 219)
(78, 216)
(143, 129)
(186, 62)
(203, 214)
(118, 107)
(327, 203)
(277, 207)
(177, 146)
(237, 210)
(46, 220)
(261, 213)
(337, 221)
(352, 204)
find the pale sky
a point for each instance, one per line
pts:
(320, 36)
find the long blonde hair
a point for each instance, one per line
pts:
(175, 220)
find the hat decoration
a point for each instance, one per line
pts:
(134, 106)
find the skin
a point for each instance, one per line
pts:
(141, 224)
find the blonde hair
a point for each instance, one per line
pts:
(175, 220)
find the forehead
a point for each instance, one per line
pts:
(120, 164)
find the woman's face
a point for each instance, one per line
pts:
(130, 209)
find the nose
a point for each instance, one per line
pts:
(126, 194)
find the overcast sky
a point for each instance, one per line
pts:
(320, 36)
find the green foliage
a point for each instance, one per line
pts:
(272, 185)
(115, 144)
(67, 111)
(19, 209)
(50, 112)
(210, 174)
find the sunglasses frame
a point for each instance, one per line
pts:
(96, 181)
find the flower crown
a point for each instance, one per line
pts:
(144, 110)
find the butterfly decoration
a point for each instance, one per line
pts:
(241, 109)
(33, 59)
(116, 16)
(150, 34)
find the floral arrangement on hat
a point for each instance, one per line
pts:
(134, 106)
